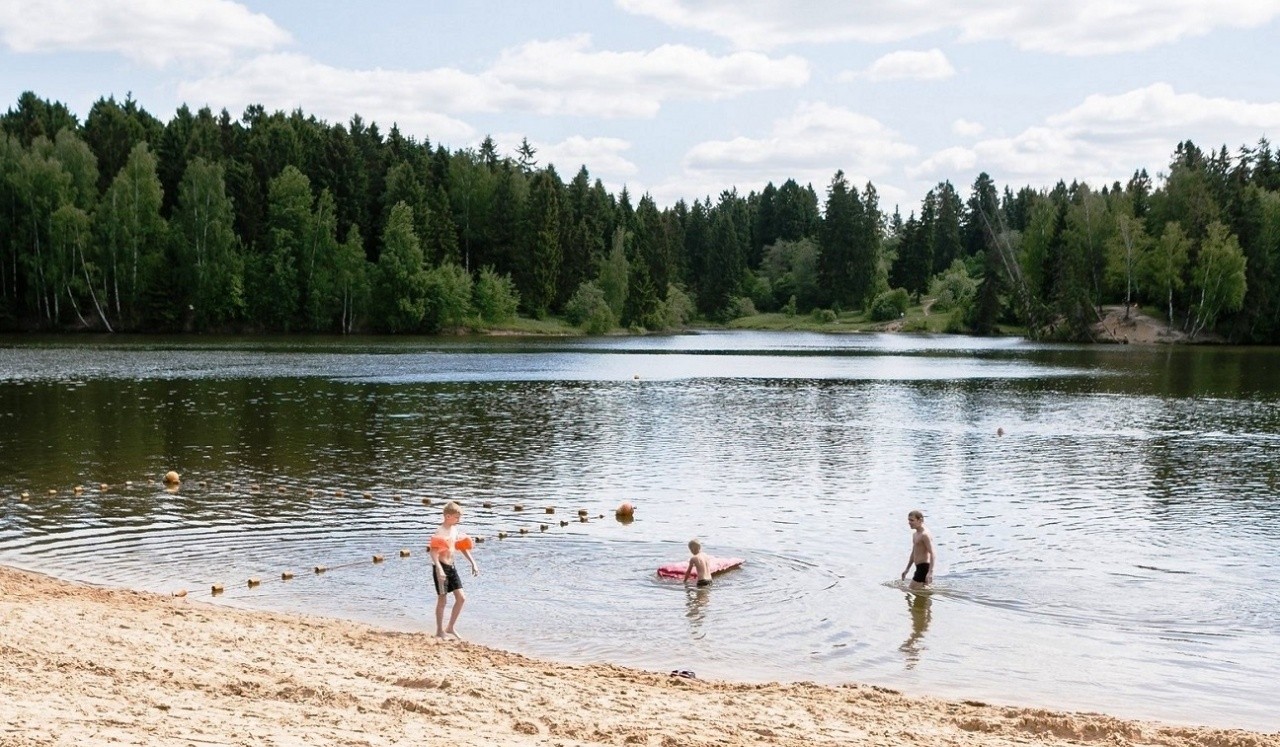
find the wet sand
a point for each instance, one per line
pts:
(82, 665)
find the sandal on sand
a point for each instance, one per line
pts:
(684, 673)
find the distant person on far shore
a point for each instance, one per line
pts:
(699, 564)
(922, 554)
(444, 543)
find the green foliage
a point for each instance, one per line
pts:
(738, 307)
(447, 298)
(1219, 276)
(790, 308)
(678, 309)
(890, 305)
(1161, 267)
(824, 316)
(589, 309)
(401, 287)
(953, 289)
(494, 297)
(613, 274)
(792, 270)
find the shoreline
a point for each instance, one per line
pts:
(87, 665)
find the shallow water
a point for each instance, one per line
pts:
(1113, 550)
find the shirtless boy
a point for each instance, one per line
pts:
(699, 564)
(444, 543)
(922, 555)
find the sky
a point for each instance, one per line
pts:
(682, 99)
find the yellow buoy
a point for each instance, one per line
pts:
(518, 507)
(524, 530)
(550, 509)
(377, 558)
(217, 589)
(104, 487)
(395, 497)
(487, 504)
(311, 491)
(367, 495)
(25, 495)
(180, 593)
(502, 535)
(254, 582)
(320, 569)
(172, 478)
(582, 512)
(339, 492)
(286, 575)
(478, 540)
(426, 501)
(78, 489)
(282, 489)
(52, 491)
(582, 519)
(404, 553)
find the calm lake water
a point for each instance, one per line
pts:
(1114, 550)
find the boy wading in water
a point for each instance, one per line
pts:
(444, 543)
(922, 554)
(699, 564)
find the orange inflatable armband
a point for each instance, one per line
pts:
(464, 543)
(439, 544)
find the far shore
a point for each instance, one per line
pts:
(85, 665)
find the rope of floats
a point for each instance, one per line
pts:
(171, 481)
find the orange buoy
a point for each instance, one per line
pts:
(625, 509)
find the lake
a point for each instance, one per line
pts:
(1105, 516)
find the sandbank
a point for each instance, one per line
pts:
(83, 665)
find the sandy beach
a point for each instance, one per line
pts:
(88, 666)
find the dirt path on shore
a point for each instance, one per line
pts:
(82, 665)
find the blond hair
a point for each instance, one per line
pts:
(695, 546)
(452, 507)
(916, 514)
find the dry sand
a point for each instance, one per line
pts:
(87, 666)
(1138, 328)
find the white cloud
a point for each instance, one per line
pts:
(809, 145)
(557, 78)
(566, 76)
(414, 101)
(906, 65)
(152, 32)
(1106, 138)
(603, 156)
(966, 128)
(1069, 27)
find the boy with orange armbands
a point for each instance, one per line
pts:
(444, 543)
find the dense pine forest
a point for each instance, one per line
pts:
(279, 222)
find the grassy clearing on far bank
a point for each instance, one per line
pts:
(522, 325)
(917, 319)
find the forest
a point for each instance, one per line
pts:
(282, 223)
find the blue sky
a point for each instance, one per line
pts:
(681, 99)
